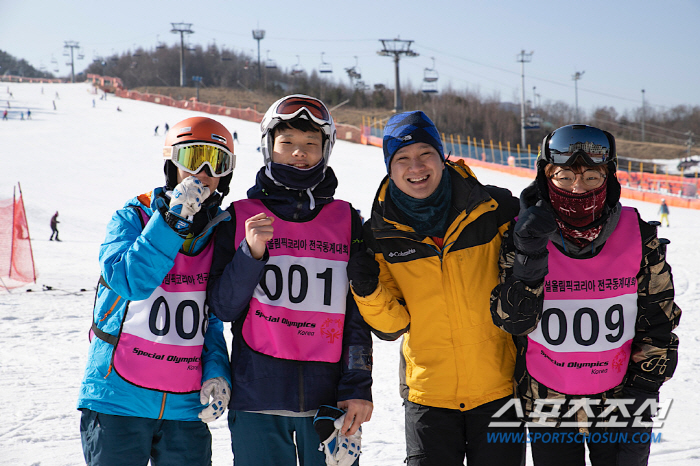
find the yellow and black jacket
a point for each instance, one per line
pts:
(438, 298)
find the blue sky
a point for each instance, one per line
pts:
(621, 46)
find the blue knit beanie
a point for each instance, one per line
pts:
(407, 128)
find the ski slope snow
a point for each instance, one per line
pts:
(85, 160)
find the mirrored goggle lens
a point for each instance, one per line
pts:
(192, 157)
(292, 106)
(568, 143)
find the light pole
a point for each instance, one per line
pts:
(643, 115)
(523, 58)
(576, 77)
(182, 29)
(258, 35)
(396, 48)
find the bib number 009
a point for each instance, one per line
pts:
(614, 321)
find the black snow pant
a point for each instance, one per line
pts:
(444, 437)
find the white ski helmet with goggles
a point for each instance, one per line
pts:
(293, 107)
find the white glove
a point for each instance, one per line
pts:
(220, 392)
(187, 197)
(341, 450)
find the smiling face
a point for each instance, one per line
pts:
(297, 148)
(417, 169)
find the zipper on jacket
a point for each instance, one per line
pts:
(162, 406)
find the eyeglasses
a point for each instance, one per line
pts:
(291, 107)
(192, 157)
(566, 144)
(567, 178)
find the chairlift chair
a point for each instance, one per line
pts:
(429, 87)
(270, 63)
(430, 75)
(324, 67)
(297, 69)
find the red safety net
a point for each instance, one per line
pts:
(16, 259)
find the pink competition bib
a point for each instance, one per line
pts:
(583, 341)
(162, 337)
(297, 311)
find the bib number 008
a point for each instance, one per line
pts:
(186, 306)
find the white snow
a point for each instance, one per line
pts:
(86, 162)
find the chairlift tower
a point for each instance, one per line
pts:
(71, 45)
(182, 29)
(396, 48)
(258, 35)
(523, 58)
(576, 77)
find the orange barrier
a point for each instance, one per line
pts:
(24, 79)
(107, 83)
(344, 132)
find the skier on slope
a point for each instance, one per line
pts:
(156, 354)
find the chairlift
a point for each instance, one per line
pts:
(429, 87)
(226, 55)
(430, 79)
(270, 63)
(532, 121)
(324, 67)
(159, 45)
(297, 69)
(429, 74)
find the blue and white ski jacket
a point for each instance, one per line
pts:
(134, 260)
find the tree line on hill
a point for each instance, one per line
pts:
(454, 111)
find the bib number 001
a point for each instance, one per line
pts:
(614, 321)
(296, 274)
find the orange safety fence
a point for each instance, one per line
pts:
(678, 191)
(23, 79)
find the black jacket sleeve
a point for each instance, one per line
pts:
(655, 346)
(356, 365)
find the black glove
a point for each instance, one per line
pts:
(533, 229)
(531, 234)
(363, 273)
